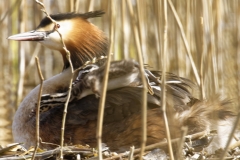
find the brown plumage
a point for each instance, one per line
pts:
(121, 127)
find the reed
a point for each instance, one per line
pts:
(209, 33)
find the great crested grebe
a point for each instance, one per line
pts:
(121, 127)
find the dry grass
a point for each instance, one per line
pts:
(211, 29)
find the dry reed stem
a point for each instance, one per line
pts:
(213, 53)
(144, 90)
(105, 82)
(185, 42)
(141, 26)
(220, 44)
(204, 50)
(130, 157)
(77, 5)
(74, 5)
(159, 35)
(71, 79)
(67, 101)
(21, 52)
(38, 106)
(238, 51)
(123, 31)
(71, 5)
(163, 86)
(181, 141)
(48, 143)
(208, 29)
(238, 71)
(90, 6)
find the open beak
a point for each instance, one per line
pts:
(29, 36)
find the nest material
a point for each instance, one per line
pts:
(195, 147)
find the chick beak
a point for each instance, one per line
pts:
(29, 36)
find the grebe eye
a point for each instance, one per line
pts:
(58, 25)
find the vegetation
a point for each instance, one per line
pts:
(211, 28)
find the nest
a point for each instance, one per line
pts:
(194, 146)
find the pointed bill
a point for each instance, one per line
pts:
(29, 36)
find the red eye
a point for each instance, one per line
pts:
(58, 25)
